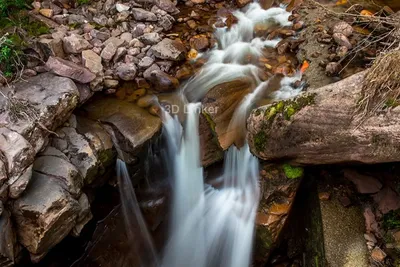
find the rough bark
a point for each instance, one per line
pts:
(320, 127)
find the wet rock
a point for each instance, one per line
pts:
(342, 40)
(163, 82)
(169, 49)
(219, 103)
(76, 19)
(147, 73)
(84, 215)
(111, 46)
(16, 188)
(8, 240)
(333, 68)
(123, 16)
(126, 71)
(69, 69)
(343, 28)
(134, 124)
(199, 42)
(387, 200)
(127, 37)
(242, 3)
(147, 101)
(44, 215)
(57, 168)
(378, 254)
(150, 38)
(143, 15)
(75, 44)
(324, 196)
(92, 61)
(365, 184)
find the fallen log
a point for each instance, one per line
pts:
(323, 126)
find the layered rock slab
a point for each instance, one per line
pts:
(320, 127)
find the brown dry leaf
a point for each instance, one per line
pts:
(361, 30)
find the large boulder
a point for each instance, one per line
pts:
(32, 110)
(129, 125)
(44, 215)
(219, 105)
(322, 127)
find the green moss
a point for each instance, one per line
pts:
(391, 103)
(209, 120)
(289, 107)
(391, 220)
(292, 172)
(82, 2)
(260, 139)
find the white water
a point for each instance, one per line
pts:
(215, 226)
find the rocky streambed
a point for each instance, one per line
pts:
(106, 69)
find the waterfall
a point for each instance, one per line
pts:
(214, 226)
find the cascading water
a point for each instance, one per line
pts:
(215, 226)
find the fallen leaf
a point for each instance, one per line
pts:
(361, 30)
(341, 2)
(268, 66)
(192, 54)
(366, 13)
(305, 66)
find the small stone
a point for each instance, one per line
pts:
(166, 22)
(333, 69)
(169, 49)
(75, 44)
(143, 15)
(198, 1)
(163, 82)
(92, 61)
(29, 73)
(127, 37)
(111, 83)
(343, 28)
(120, 54)
(121, 7)
(324, 196)
(378, 254)
(145, 62)
(123, 16)
(69, 69)
(126, 71)
(192, 24)
(342, 40)
(76, 19)
(155, 110)
(298, 26)
(48, 13)
(150, 38)
(370, 237)
(199, 42)
(111, 46)
(345, 201)
(147, 101)
(167, 5)
(342, 51)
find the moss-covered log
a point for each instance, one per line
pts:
(327, 128)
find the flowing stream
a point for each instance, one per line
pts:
(212, 226)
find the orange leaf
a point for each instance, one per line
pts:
(366, 13)
(341, 2)
(305, 66)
